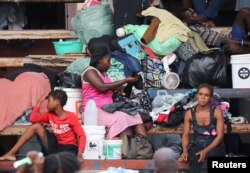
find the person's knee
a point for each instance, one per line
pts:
(37, 126)
(244, 11)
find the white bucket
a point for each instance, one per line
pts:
(113, 149)
(240, 70)
(74, 102)
(94, 142)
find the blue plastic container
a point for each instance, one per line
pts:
(63, 47)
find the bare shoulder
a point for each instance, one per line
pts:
(90, 73)
(218, 112)
(188, 114)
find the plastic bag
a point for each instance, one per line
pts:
(208, 68)
(69, 80)
(93, 22)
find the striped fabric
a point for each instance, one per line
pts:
(210, 37)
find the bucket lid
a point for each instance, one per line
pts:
(69, 89)
(241, 56)
(94, 127)
(240, 61)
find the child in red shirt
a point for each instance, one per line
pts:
(65, 128)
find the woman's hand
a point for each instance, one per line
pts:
(131, 79)
(203, 154)
(183, 157)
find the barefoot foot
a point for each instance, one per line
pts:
(8, 157)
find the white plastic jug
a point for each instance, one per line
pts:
(90, 113)
(159, 99)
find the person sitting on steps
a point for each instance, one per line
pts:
(65, 128)
(208, 127)
(97, 85)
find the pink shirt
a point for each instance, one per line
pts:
(88, 91)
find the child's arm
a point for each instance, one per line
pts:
(35, 116)
(77, 128)
(185, 136)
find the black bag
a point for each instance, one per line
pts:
(208, 68)
(69, 80)
(137, 147)
(126, 12)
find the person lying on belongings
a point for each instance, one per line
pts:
(65, 128)
(63, 162)
(98, 86)
(236, 42)
(208, 127)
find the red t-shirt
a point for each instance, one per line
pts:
(66, 129)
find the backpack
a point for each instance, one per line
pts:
(137, 147)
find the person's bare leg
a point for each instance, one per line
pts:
(140, 129)
(243, 19)
(31, 130)
(234, 49)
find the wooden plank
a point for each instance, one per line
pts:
(66, 57)
(36, 34)
(13, 130)
(105, 164)
(236, 128)
(223, 92)
(19, 62)
(80, 1)
(43, 60)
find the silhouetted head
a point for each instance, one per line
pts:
(165, 161)
(63, 162)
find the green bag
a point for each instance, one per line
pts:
(165, 48)
(94, 21)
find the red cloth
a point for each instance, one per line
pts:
(67, 129)
(21, 94)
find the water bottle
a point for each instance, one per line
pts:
(90, 113)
